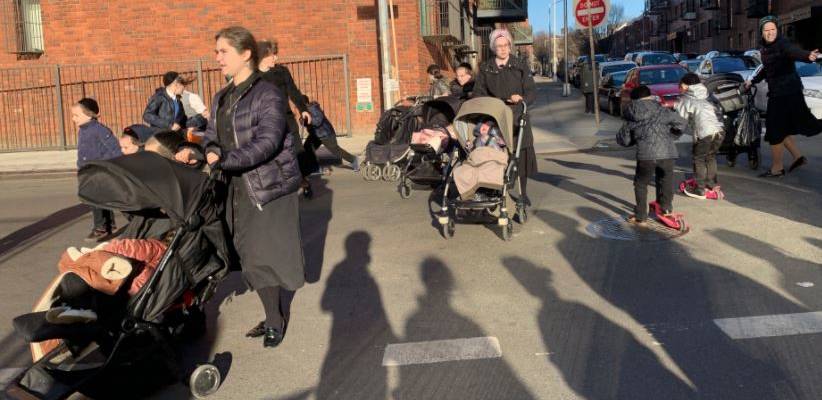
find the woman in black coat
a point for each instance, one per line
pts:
(249, 140)
(280, 76)
(509, 79)
(787, 112)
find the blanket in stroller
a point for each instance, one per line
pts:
(484, 168)
(437, 138)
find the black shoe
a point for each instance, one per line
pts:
(256, 331)
(272, 337)
(797, 163)
(97, 235)
(770, 174)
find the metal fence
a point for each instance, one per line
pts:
(35, 102)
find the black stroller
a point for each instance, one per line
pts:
(105, 358)
(388, 152)
(426, 163)
(728, 91)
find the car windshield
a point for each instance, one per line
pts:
(658, 58)
(692, 65)
(661, 75)
(616, 68)
(809, 69)
(730, 64)
(618, 78)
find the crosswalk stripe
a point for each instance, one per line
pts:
(771, 325)
(436, 351)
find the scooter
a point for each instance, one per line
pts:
(674, 221)
(711, 194)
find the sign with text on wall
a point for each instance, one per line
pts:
(364, 100)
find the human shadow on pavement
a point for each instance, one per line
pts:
(793, 269)
(435, 319)
(360, 329)
(22, 237)
(15, 355)
(315, 215)
(596, 196)
(591, 167)
(676, 297)
(598, 359)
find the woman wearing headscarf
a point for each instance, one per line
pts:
(249, 141)
(510, 80)
(787, 112)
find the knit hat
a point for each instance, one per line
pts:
(498, 33)
(90, 105)
(765, 20)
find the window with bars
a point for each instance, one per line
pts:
(23, 22)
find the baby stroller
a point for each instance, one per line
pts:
(488, 199)
(127, 351)
(428, 154)
(388, 151)
(735, 103)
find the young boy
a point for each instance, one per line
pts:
(653, 129)
(708, 131)
(129, 142)
(94, 142)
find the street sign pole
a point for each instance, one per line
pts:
(592, 13)
(566, 87)
(594, 71)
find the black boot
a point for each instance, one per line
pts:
(272, 337)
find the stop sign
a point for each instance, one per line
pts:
(589, 12)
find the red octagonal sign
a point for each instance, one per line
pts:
(587, 11)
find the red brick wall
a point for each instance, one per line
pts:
(95, 31)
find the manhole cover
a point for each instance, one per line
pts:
(619, 229)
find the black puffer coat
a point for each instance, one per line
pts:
(503, 82)
(264, 151)
(779, 69)
(653, 129)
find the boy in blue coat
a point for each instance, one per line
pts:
(94, 142)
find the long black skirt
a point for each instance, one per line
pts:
(268, 241)
(789, 115)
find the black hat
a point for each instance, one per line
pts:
(90, 105)
(171, 76)
(765, 20)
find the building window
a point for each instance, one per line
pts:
(24, 26)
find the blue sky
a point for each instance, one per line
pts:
(538, 12)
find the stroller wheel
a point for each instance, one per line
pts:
(405, 190)
(449, 228)
(753, 161)
(372, 172)
(731, 161)
(508, 232)
(204, 381)
(391, 173)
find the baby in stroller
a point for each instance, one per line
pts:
(487, 134)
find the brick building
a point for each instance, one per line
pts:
(699, 26)
(331, 46)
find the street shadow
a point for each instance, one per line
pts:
(603, 199)
(435, 319)
(593, 168)
(40, 230)
(315, 215)
(360, 329)
(676, 297)
(787, 265)
(814, 242)
(15, 353)
(607, 361)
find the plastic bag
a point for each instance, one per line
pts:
(748, 126)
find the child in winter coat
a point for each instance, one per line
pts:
(653, 129)
(486, 134)
(94, 142)
(708, 130)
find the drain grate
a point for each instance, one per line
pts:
(619, 229)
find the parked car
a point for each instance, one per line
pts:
(630, 57)
(663, 80)
(742, 65)
(609, 91)
(755, 54)
(576, 73)
(614, 66)
(684, 56)
(691, 65)
(811, 75)
(654, 58)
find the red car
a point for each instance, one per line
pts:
(663, 80)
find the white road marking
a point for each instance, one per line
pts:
(436, 351)
(771, 325)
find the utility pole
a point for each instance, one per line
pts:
(566, 87)
(385, 55)
(553, 40)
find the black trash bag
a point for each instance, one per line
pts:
(748, 126)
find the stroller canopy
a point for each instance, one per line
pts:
(483, 108)
(142, 181)
(441, 111)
